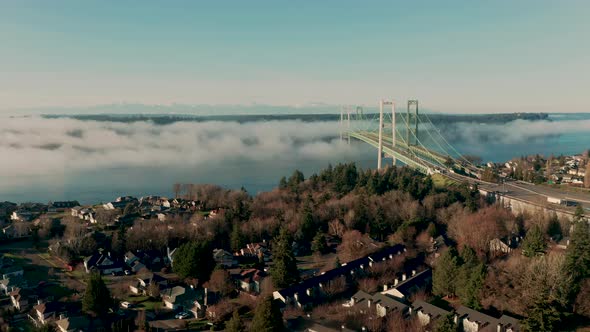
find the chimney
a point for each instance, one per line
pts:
(390, 256)
(362, 266)
(62, 316)
(371, 264)
(39, 301)
(413, 273)
(403, 277)
(499, 328)
(296, 296)
(369, 302)
(395, 282)
(308, 291)
(205, 296)
(455, 319)
(384, 287)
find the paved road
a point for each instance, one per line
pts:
(536, 194)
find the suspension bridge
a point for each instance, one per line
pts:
(409, 137)
(413, 139)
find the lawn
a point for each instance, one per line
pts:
(57, 291)
(441, 181)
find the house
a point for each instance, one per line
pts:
(508, 324)
(9, 284)
(17, 230)
(256, 250)
(114, 205)
(224, 258)
(77, 324)
(427, 313)
(12, 272)
(563, 243)
(141, 285)
(305, 292)
(22, 298)
(379, 304)
(179, 297)
(61, 206)
(201, 304)
(45, 312)
(406, 287)
(151, 259)
(103, 263)
(504, 245)
(6, 209)
(155, 201)
(249, 280)
(473, 321)
(88, 214)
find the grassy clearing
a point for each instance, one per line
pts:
(440, 181)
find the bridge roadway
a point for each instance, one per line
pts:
(424, 159)
(528, 192)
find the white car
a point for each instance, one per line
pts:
(126, 305)
(182, 315)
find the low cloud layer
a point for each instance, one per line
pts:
(515, 132)
(33, 146)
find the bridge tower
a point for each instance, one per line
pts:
(409, 124)
(380, 149)
(345, 110)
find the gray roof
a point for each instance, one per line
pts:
(431, 310)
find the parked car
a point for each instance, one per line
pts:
(127, 305)
(182, 315)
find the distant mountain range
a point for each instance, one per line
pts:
(171, 118)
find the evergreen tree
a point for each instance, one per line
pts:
(579, 213)
(319, 244)
(235, 324)
(283, 183)
(97, 298)
(295, 179)
(446, 324)
(284, 269)
(194, 259)
(445, 273)
(470, 279)
(236, 237)
(119, 243)
(578, 254)
(534, 242)
(308, 228)
(554, 227)
(542, 317)
(267, 317)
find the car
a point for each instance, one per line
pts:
(126, 305)
(182, 315)
(127, 272)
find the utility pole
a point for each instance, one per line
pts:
(380, 150)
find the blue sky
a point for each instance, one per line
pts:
(455, 56)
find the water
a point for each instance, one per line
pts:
(100, 161)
